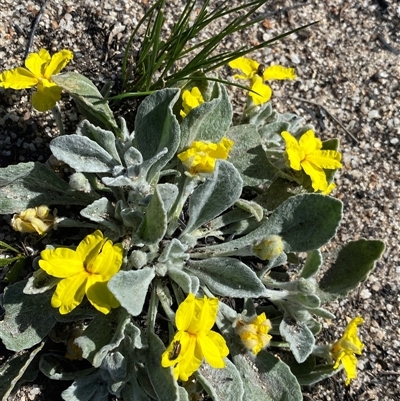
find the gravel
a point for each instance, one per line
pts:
(348, 86)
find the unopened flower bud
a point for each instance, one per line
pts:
(79, 182)
(269, 248)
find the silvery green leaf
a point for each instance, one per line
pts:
(221, 384)
(14, 369)
(132, 390)
(168, 193)
(214, 196)
(106, 139)
(40, 282)
(251, 207)
(181, 278)
(299, 337)
(304, 222)
(209, 121)
(312, 264)
(249, 157)
(95, 343)
(227, 277)
(353, 264)
(88, 99)
(154, 225)
(174, 250)
(86, 388)
(130, 288)
(156, 127)
(102, 211)
(258, 115)
(28, 318)
(132, 157)
(82, 154)
(183, 394)
(320, 372)
(157, 374)
(266, 378)
(31, 184)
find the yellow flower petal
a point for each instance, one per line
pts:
(214, 349)
(36, 64)
(47, 95)
(74, 267)
(61, 262)
(194, 320)
(295, 153)
(99, 295)
(18, 78)
(317, 175)
(184, 314)
(190, 100)
(344, 349)
(306, 154)
(201, 156)
(246, 65)
(69, 293)
(278, 72)
(264, 92)
(329, 159)
(90, 247)
(58, 62)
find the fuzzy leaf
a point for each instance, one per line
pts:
(266, 378)
(299, 337)
(28, 318)
(304, 222)
(248, 156)
(221, 384)
(95, 343)
(227, 277)
(157, 374)
(355, 260)
(312, 264)
(31, 184)
(82, 154)
(156, 127)
(86, 388)
(217, 194)
(106, 139)
(209, 121)
(154, 225)
(87, 97)
(130, 288)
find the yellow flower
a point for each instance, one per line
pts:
(32, 220)
(306, 154)
(344, 349)
(269, 248)
(257, 73)
(255, 333)
(194, 339)
(201, 156)
(190, 100)
(39, 69)
(84, 271)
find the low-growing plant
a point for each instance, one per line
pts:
(195, 262)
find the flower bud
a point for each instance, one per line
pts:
(269, 248)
